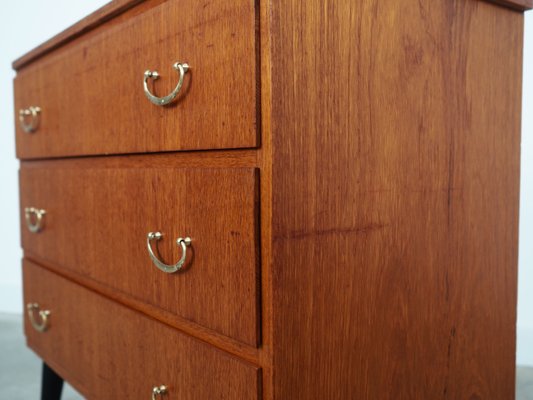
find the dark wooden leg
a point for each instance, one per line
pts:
(52, 384)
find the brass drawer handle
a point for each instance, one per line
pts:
(157, 390)
(31, 113)
(182, 68)
(41, 326)
(162, 266)
(38, 225)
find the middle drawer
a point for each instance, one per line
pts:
(96, 223)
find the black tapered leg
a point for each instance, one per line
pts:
(52, 384)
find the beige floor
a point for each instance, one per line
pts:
(20, 369)
(524, 383)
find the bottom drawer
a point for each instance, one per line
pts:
(108, 351)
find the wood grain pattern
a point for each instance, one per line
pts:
(91, 93)
(108, 351)
(396, 145)
(98, 218)
(117, 7)
(264, 159)
(229, 345)
(375, 258)
(190, 159)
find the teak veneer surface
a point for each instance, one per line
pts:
(110, 352)
(91, 91)
(97, 220)
(396, 154)
(381, 258)
(117, 7)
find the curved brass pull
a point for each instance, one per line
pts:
(38, 225)
(41, 326)
(162, 266)
(182, 68)
(32, 112)
(157, 390)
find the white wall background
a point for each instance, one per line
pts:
(524, 353)
(25, 23)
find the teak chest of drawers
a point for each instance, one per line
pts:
(315, 200)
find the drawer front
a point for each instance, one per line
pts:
(108, 351)
(97, 221)
(90, 92)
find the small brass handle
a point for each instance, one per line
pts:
(38, 225)
(41, 326)
(162, 266)
(182, 68)
(157, 390)
(31, 113)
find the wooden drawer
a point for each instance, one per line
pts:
(97, 221)
(91, 96)
(108, 351)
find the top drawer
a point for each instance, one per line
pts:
(91, 96)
